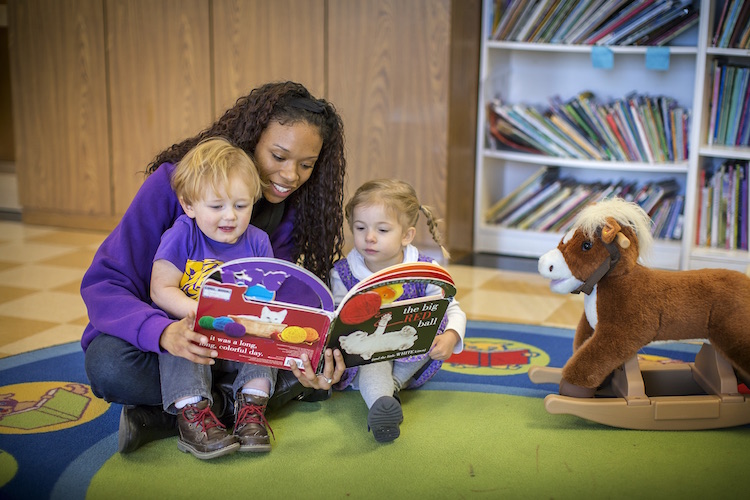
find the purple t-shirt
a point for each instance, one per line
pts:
(197, 255)
(116, 287)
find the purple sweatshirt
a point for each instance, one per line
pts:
(116, 286)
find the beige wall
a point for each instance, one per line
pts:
(113, 82)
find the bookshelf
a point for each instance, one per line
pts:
(520, 72)
(706, 156)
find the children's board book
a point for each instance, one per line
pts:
(270, 312)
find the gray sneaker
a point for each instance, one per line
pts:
(384, 419)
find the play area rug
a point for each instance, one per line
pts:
(477, 429)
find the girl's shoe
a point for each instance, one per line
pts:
(384, 419)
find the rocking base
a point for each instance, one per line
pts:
(676, 396)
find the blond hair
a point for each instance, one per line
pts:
(399, 198)
(210, 164)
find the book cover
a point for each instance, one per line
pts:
(713, 105)
(525, 130)
(508, 20)
(724, 111)
(561, 11)
(624, 146)
(577, 113)
(372, 325)
(270, 312)
(625, 116)
(527, 185)
(731, 20)
(743, 207)
(588, 109)
(626, 18)
(720, 23)
(545, 208)
(526, 20)
(530, 125)
(597, 18)
(743, 20)
(527, 208)
(571, 20)
(736, 105)
(656, 25)
(546, 15)
(673, 30)
(635, 114)
(583, 21)
(743, 138)
(549, 130)
(674, 217)
(503, 133)
(578, 193)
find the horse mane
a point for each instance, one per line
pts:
(626, 213)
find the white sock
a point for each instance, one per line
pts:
(254, 392)
(187, 401)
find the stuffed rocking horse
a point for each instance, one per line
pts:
(628, 305)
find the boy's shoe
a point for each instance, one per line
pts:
(142, 424)
(202, 434)
(384, 419)
(250, 423)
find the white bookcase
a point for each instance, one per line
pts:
(531, 73)
(702, 155)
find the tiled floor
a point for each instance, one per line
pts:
(41, 270)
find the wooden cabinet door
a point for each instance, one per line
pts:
(58, 82)
(160, 83)
(388, 73)
(259, 41)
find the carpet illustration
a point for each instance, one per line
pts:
(478, 429)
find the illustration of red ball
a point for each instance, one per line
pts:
(360, 308)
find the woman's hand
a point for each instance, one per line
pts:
(443, 345)
(333, 369)
(178, 340)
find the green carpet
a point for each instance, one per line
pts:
(453, 445)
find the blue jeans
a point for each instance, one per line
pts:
(181, 378)
(121, 373)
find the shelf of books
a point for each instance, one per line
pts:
(648, 100)
(718, 212)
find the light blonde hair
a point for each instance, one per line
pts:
(210, 164)
(397, 197)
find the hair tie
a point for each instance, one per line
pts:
(308, 104)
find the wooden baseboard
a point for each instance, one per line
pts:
(71, 221)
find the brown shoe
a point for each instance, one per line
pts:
(202, 434)
(250, 423)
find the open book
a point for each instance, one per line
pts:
(270, 312)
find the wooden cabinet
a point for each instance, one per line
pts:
(100, 87)
(59, 89)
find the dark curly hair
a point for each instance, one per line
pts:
(318, 233)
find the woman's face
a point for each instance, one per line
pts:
(285, 156)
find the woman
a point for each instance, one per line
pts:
(297, 142)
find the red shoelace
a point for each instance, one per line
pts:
(204, 417)
(253, 414)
